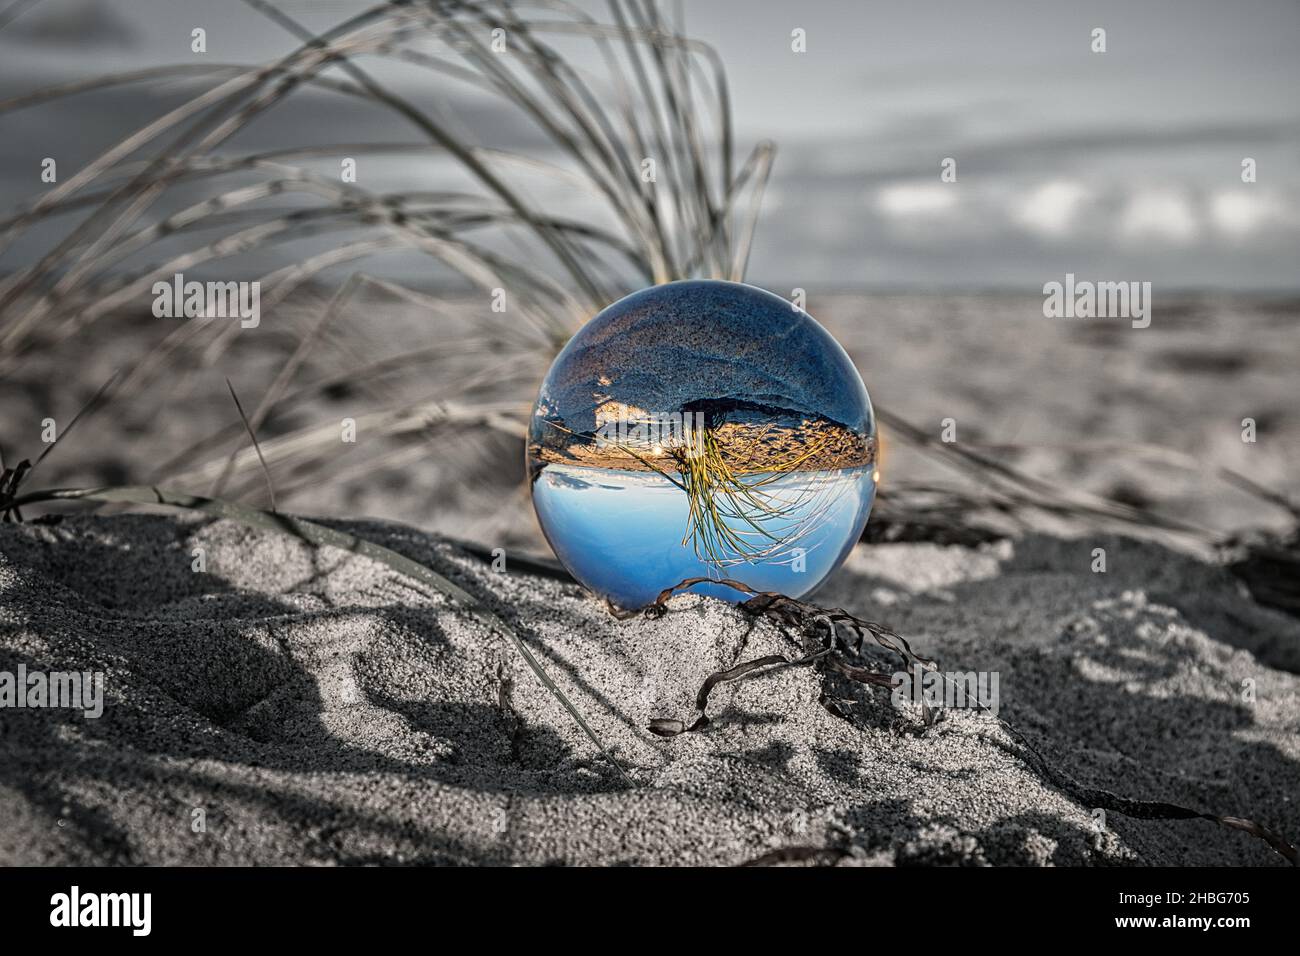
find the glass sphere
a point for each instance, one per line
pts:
(702, 429)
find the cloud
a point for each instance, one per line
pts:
(1163, 215)
(1242, 211)
(1050, 209)
(915, 200)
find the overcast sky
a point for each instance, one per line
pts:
(1117, 165)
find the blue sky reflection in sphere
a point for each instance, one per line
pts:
(702, 429)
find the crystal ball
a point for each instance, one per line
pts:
(702, 429)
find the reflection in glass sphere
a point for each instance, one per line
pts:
(702, 429)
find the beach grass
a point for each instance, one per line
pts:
(662, 96)
(642, 89)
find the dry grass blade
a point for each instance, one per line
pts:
(89, 408)
(12, 479)
(281, 382)
(439, 134)
(14, 10)
(662, 232)
(97, 230)
(416, 420)
(252, 435)
(1016, 490)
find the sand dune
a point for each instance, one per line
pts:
(319, 709)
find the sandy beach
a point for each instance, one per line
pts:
(319, 709)
(315, 707)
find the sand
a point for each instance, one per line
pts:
(1085, 403)
(316, 708)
